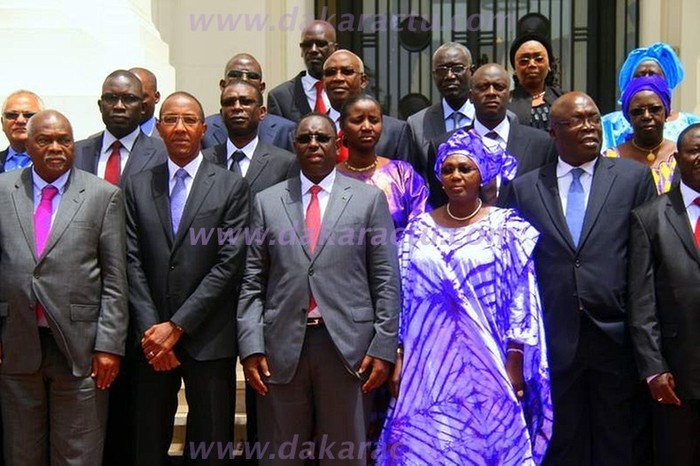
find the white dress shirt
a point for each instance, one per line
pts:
(564, 179)
(467, 111)
(502, 130)
(308, 82)
(248, 150)
(191, 168)
(39, 184)
(689, 196)
(127, 144)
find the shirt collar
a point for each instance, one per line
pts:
(191, 168)
(11, 153)
(149, 126)
(689, 195)
(309, 82)
(248, 149)
(467, 109)
(502, 129)
(334, 115)
(326, 184)
(564, 168)
(59, 183)
(127, 141)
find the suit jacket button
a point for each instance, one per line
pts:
(311, 272)
(172, 267)
(36, 275)
(577, 264)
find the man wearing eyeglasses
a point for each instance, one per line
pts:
(273, 129)
(185, 251)
(343, 77)
(122, 149)
(581, 206)
(17, 109)
(451, 73)
(305, 93)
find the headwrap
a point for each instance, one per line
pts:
(659, 52)
(526, 37)
(653, 83)
(490, 161)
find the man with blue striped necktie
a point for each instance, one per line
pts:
(17, 109)
(581, 205)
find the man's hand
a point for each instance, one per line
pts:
(379, 374)
(514, 370)
(165, 361)
(663, 389)
(395, 379)
(253, 366)
(105, 367)
(160, 338)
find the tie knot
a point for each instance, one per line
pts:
(48, 192)
(319, 86)
(315, 189)
(116, 145)
(576, 173)
(491, 135)
(238, 156)
(697, 201)
(181, 174)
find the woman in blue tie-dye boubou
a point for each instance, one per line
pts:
(474, 381)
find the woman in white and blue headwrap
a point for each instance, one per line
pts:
(657, 59)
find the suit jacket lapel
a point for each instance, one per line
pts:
(138, 157)
(300, 95)
(435, 122)
(600, 187)
(549, 193)
(257, 164)
(71, 200)
(23, 198)
(341, 194)
(678, 218)
(91, 153)
(201, 185)
(161, 198)
(294, 208)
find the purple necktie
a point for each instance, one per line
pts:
(42, 227)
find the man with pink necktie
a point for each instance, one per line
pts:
(63, 306)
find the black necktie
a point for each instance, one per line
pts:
(235, 160)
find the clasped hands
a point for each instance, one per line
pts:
(158, 343)
(256, 364)
(663, 389)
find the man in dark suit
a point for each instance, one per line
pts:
(63, 308)
(664, 299)
(121, 150)
(489, 91)
(151, 96)
(315, 337)
(304, 93)
(261, 164)
(183, 289)
(274, 130)
(452, 63)
(581, 206)
(343, 77)
(17, 109)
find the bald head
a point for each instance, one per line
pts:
(343, 77)
(317, 43)
(243, 66)
(50, 144)
(489, 92)
(17, 109)
(151, 96)
(575, 127)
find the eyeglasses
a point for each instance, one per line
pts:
(238, 74)
(653, 110)
(320, 44)
(345, 71)
(443, 70)
(188, 120)
(525, 60)
(576, 121)
(127, 99)
(306, 138)
(15, 115)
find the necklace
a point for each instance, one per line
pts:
(369, 167)
(538, 96)
(651, 156)
(463, 219)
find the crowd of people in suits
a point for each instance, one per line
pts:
(509, 294)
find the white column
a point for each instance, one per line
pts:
(62, 50)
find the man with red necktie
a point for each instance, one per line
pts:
(63, 310)
(664, 291)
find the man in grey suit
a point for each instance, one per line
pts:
(489, 92)
(274, 130)
(664, 295)
(452, 63)
(17, 109)
(262, 164)
(581, 206)
(185, 262)
(63, 307)
(122, 149)
(343, 77)
(300, 96)
(316, 338)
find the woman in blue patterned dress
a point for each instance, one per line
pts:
(474, 380)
